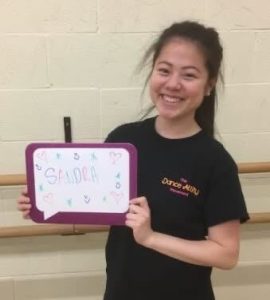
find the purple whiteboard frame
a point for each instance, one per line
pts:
(79, 217)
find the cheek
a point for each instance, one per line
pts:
(152, 93)
(153, 87)
(198, 90)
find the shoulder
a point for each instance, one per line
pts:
(223, 164)
(128, 131)
(223, 157)
(217, 150)
(215, 156)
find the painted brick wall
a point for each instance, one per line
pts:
(78, 58)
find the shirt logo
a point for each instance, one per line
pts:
(182, 187)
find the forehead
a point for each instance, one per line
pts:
(181, 50)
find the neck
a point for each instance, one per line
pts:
(176, 129)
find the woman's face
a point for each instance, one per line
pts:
(179, 80)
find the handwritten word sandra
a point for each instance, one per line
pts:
(74, 175)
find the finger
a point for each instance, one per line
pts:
(136, 220)
(138, 210)
(23, 204)
(24, 207)
(25, 191)
(141, 201)
(26, 214)
(23, 199)
(131, 217)
(138, 217)
(130, 224)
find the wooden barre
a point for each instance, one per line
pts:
(43, 230)
(257, 167)
(256, 218)
(52, 229)
(12, 179)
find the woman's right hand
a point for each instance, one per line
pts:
(23, 203)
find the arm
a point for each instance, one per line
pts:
(220, 250)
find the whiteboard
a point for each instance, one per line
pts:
(81, 183)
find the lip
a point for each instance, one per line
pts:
(171, 99)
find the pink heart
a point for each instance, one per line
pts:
(117, 196)
(42, 156)
(115, 157)
(48, 198)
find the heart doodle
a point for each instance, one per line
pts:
(48, 198)
(117, 196)
(115, 157)
(42, 156)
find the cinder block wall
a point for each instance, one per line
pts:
(78, 58)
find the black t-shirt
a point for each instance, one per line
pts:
(190, 184)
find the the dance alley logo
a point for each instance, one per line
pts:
(181, 187)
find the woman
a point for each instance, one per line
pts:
(186, 219)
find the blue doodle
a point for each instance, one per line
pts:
(76, 156)
(58, 155)
(69, 202)
(38, 167)
(118, 176)
(87, 199)
(93, 156)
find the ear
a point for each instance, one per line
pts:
(210, 85)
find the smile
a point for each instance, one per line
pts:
(171, 99)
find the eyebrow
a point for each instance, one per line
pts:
(185, 67)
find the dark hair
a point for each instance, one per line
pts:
(207, 40)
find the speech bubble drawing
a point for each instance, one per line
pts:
(76, 184)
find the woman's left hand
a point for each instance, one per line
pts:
(139, 219)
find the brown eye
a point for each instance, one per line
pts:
(163, 71)
(189, 76)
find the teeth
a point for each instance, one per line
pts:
(171, 99)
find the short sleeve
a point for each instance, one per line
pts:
(109, 138)
(121, 134)
(224, 199)
(114, 136)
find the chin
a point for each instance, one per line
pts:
(169, 116)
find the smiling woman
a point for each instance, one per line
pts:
(187, 220)
(187, 215)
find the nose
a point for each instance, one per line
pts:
(173, 82)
